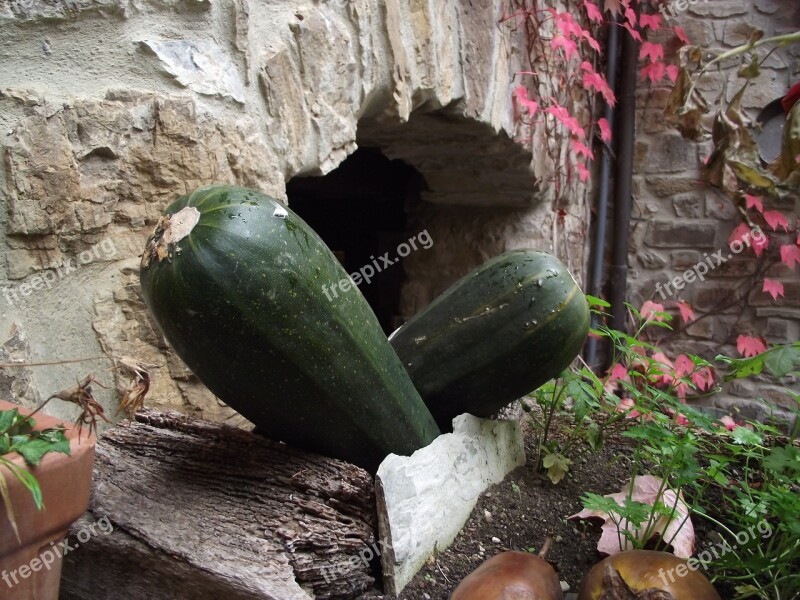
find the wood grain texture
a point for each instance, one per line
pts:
(202, 510)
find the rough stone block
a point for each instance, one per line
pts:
(664, 187)
(702, 329)
(720, 208)
(425, 499)
(692, 234)
(771, 85)
(656, 98)
(775, 311)
(755, 409)
(640, 155)
(782, 331)
(688, 207)
(651, 260)
(737, 32)
(734, 268)
(768, 7)
(671, 154)
(715, 8)
(710, 298)
(654, 121)
(779, 270)
(699, 31)
(684, 259)
(791, 296)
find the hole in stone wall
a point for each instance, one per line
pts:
(359, 210)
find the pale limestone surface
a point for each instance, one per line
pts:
(425, 499)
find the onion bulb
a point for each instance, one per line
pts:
(646, 575)
(511, 576)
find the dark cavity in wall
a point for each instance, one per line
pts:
(359, 210)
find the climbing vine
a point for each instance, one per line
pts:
(559, 87)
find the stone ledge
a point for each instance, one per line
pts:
(425, 499)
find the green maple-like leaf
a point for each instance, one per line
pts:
(746, 437)
(557, 466)
(784, 460)
(781, 361)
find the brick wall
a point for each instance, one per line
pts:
(678, 220)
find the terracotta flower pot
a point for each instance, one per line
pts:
(32, 569)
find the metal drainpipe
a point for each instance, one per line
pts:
(624, 180)
(604, 188)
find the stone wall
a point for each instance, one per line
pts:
(109, 109)
(678, 220)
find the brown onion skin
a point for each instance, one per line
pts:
(640, 570)
(511, 576)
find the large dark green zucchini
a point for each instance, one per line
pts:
(237, 284)
(497, 334)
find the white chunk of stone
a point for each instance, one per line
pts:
(200, 65)
(425, 499)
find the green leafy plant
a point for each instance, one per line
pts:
(17, 435)
(576, 399)
(646, 387)
(741, 478)
(758, 515)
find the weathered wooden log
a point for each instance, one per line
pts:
(184, 509)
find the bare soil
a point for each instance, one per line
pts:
(518, 513)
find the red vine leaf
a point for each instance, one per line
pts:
(567, 25)
(650, 309)
(581, 149)
(592, 11)
(617, 373)
(773, 288)
(683, 366)
(703, 378)
(605, 129)
(595, 81)
(673, 71)
(634, 33)
(630, 16)
(790, 255)
(661, 369)
(654, 71)
(593, 43)
(570, 47)
(776, 219)
(652, 21)
(750, 346)
(737, 234)
(521, 94)
(679, 31)
(760, 244)
(583, 172)
(687, 313)
(571, 123)
(743, 237)
(754, 202)
(655, 52)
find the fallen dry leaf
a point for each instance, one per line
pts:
(677, 531)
